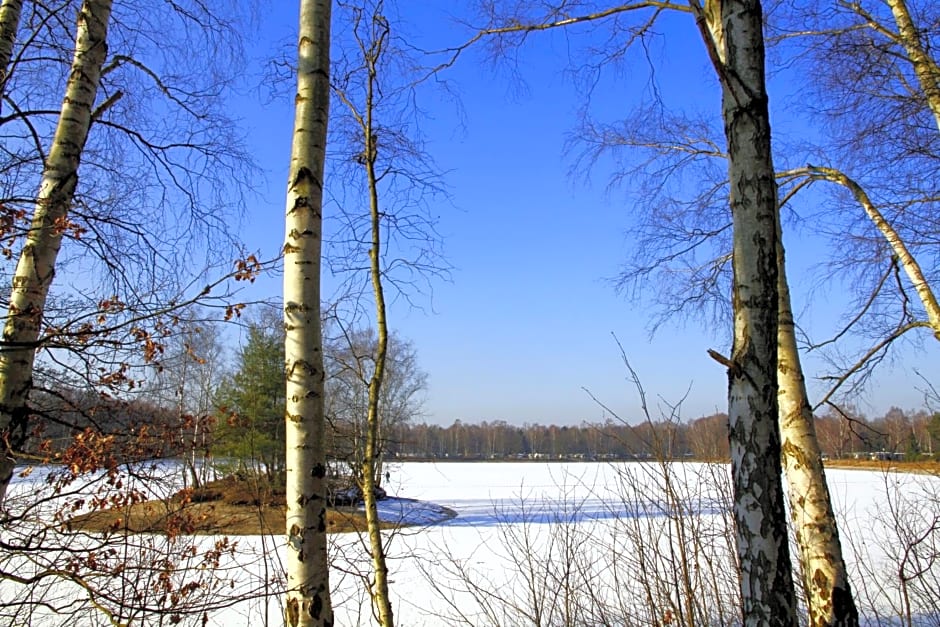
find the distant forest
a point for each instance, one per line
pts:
(907, 434)
(147, 429)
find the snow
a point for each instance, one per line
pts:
(465, 559)
(490, 499)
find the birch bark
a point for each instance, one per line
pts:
(825, 581)
(35, 268)
(308, 585)
(826, 586)
(766, 582)
(907, 260)
(10, 11)
(925, 68)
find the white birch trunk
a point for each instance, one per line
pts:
(10, 11)
(36, 266)
(766, 581)
(925, 67)
(308, 584)
(907, 260)
(829, 597)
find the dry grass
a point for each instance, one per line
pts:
(224, 507)
(927, 467)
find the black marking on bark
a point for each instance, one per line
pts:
(303, 174)
(293, 612)
(795, 454)
(293, 307)
(844, 612)
(822, 584)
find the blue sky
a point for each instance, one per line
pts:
(528, 318)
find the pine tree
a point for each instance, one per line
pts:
(251, 403)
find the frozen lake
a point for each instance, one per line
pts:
(617, 522)
(592, 543)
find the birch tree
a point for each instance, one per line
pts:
(689, 238)
(36, 267)
(186, 380)
(703, 226)
(846, 54)
(119, 238)
(874, 81)
(109, 178)
(733, 32)
(308, 584)
(890, 42)
(828, 593)
(916, 45)
(901, 259)
(10, 11)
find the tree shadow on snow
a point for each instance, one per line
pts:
(478, 513)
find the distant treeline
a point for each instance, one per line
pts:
(910, 434)
(139, 428)
(126, 429)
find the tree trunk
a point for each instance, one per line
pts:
(829, 597)
(36, 265)
(925, 67)
(766, 580)
(308, 585)
(380, 459)
(910, 265)
(10, 11)
(380, 594)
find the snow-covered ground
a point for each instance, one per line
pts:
(582, 523)
(579, 543)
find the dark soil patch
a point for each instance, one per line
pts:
(225, 507)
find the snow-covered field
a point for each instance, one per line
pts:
(593, 543)
(593, 529)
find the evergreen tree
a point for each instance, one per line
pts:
(251, 403)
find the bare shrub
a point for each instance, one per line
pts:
(52, 567)
(897, 562)
(652, 547)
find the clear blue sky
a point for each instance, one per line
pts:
(528, 318)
